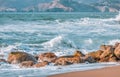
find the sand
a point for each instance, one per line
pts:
(103, 72)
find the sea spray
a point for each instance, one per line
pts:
(118, 17)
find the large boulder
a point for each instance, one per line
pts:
(108, 54)
(49, 57)
(108, 50)
(117, 51)
(95, 55)
(27, 64)
(40, 64)
(67, 60)
(72, 59)
(18, 57)
(109, 58)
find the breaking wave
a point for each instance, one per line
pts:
(59, 42)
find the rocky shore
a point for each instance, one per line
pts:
(106, 53)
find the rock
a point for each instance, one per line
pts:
(67, 60)
(117, 51)
(108, 54)
(79, 54)
(116, 44)
(49, 57)
(109, 58)
(113, 59)
(1, 56)
(27, 64)
(95, 55)
(18, 57)
(89, 59)
(108, 49)
(40, 64)
(3, 60)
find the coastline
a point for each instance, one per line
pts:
(103, 72)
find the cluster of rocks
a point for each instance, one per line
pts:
(106, 53)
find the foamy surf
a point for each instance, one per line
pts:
(118, 17)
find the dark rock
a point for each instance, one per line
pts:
(27, 64)
(18, 57)
(95, 55)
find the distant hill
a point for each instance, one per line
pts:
(60, 5)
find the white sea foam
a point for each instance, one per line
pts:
(53, 42)
(58, 41)
(112, 42)
(8, 48)
(89, 41)
(118, 17)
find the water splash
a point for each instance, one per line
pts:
(118, 17)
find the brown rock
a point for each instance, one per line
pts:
(106, 47)
(89, 59)
(41, 64)
(67, 60)
(107, 51)
(49, 57)
(109, 58)
(95, 55)
(18, 57)
(79, 54)
(117, 51)
(116, 44)
(27, 64)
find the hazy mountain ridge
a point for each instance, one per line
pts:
(60, 5)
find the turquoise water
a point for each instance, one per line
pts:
(61, 33)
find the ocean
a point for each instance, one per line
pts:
(61, 33)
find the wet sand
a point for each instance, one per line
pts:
(103, 72)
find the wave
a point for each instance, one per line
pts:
(112, 42)
(59, 41)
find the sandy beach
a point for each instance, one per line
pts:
(103, 72)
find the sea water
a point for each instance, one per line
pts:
(61, 33)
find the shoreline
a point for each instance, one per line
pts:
(102, 72)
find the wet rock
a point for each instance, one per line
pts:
(106, 47)
(27, 64)
(89, 59)
(3, 60)
(49, 57)
(79, 54)
(109, 58)
(40, 64)
(116, 44)
(95, 55)
(18, 57)
(117, 51)
(108, 53)
(67, 60)
(108, 50)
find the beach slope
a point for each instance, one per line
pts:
(103, 72)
